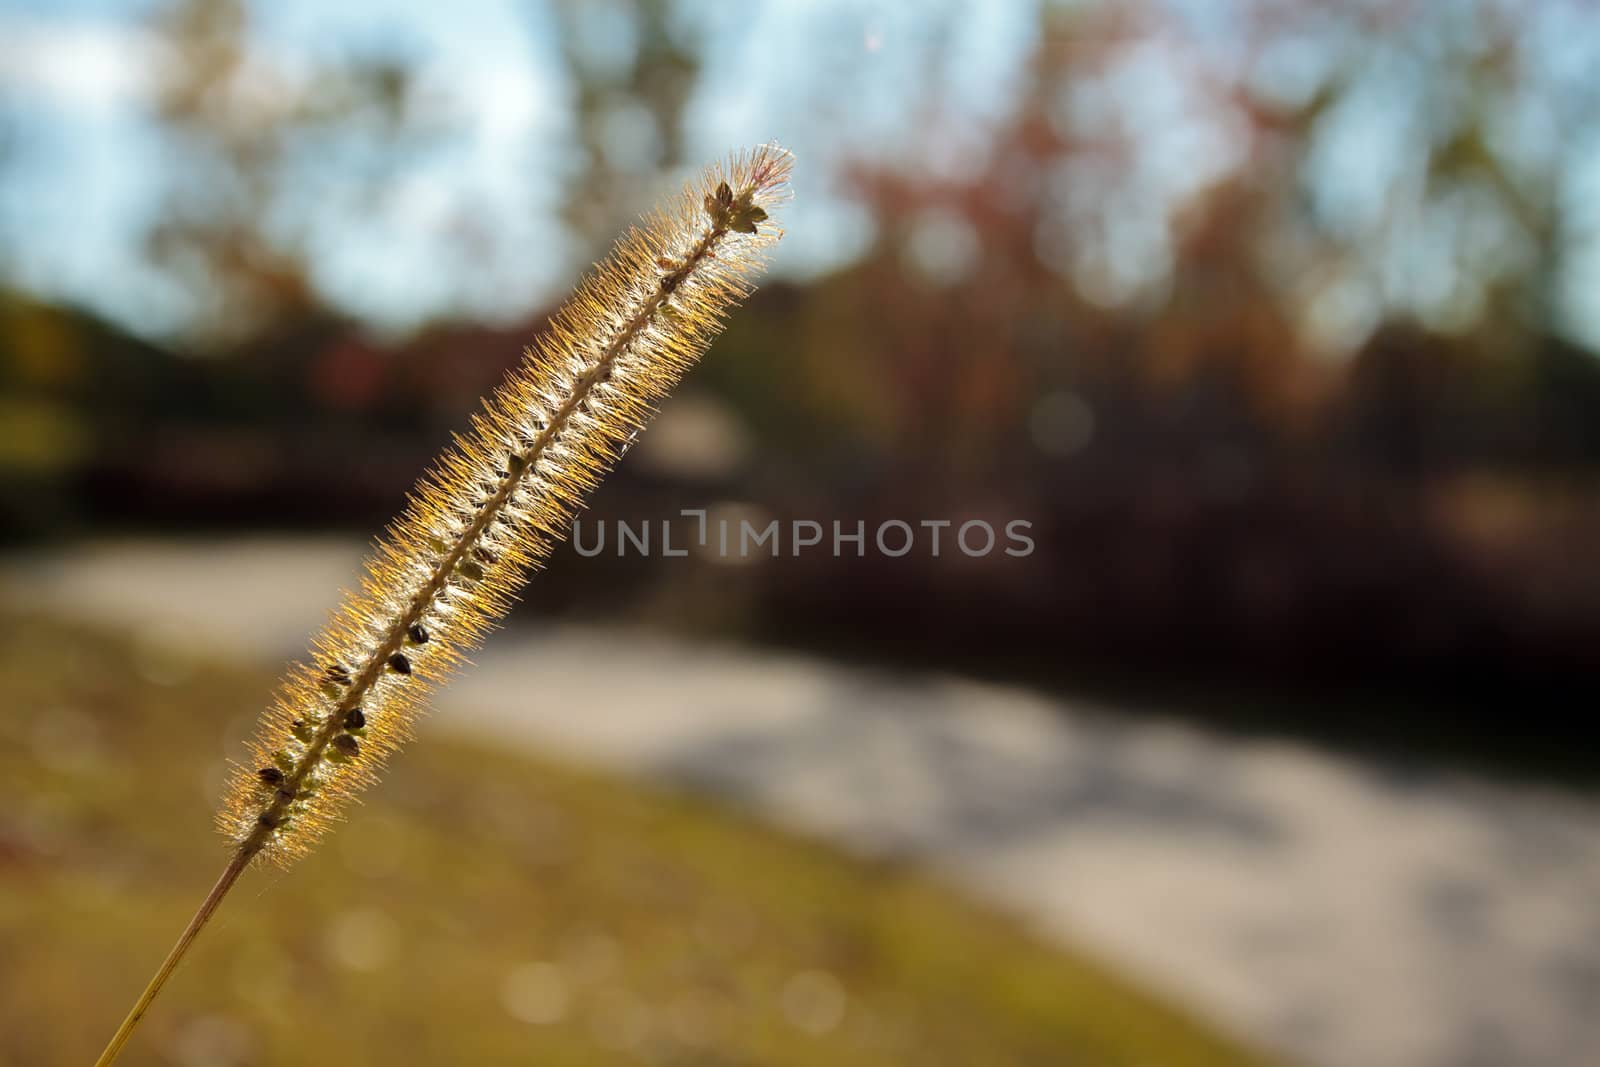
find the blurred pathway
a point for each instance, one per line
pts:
(1348, 915)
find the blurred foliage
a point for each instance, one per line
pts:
(239, 137)
(632, 71)
(480, 908)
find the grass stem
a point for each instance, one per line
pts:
(208, 907)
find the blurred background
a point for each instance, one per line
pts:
(1276, 319)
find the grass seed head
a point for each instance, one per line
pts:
(492, 508)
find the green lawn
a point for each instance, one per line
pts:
(480, 908)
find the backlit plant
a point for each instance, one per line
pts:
(488, 514)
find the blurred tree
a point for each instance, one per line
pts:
(631, 73)
(1186, 211)
(234, 224)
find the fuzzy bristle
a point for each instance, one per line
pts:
(495, 504)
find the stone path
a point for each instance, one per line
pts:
(1347, 914)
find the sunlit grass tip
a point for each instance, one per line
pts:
(489, 512)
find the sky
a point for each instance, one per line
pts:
(82, 168)
(85, 169)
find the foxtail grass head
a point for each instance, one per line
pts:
(494, 505)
